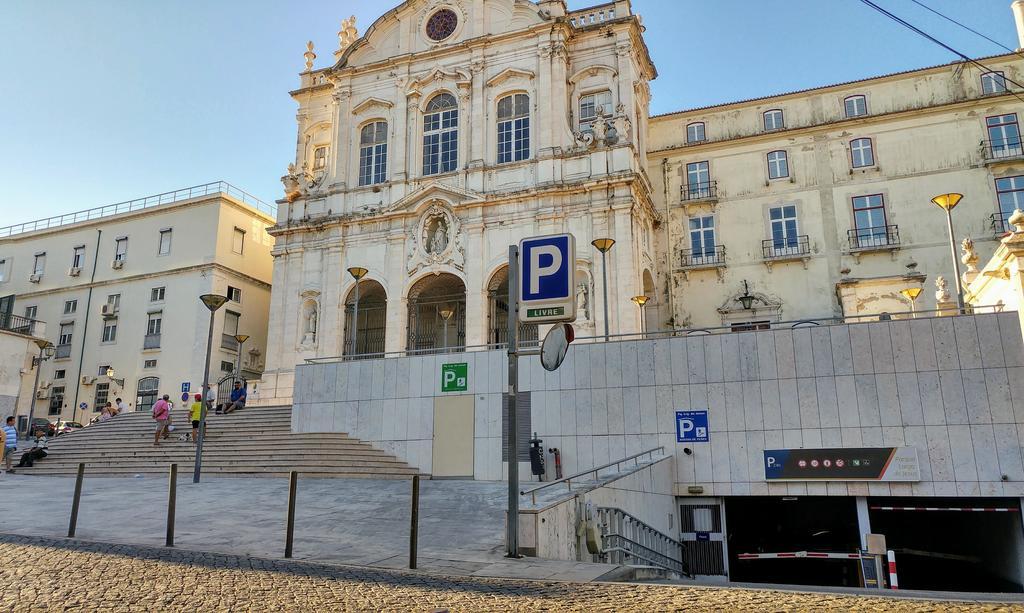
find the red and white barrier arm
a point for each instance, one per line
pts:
(963, 509)
(822, 555)
(894, 584)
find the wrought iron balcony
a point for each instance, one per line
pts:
(1002, 150)
(1000, 223)
(791, 247)
(62, 351)
(20, 325)
(152, 341)
(877, 238)
(693, 259)
(700, 192)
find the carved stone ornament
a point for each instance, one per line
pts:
(941, 290)
(970, 260)
(1017, 221)
(347, 35)
(300, 183)
(438, 241)
(309, 55)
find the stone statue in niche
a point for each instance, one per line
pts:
(600, 128)
(437, 230)
(438, 241)
(941, 290)
(970, 259)
(583, 301)
(309, 323)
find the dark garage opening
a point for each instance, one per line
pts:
(968, 551)
(773, 525)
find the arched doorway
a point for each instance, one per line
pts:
(497, 312)
(372, 325)
(437, 315)
(146, 393)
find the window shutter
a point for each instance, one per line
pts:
(524, 427)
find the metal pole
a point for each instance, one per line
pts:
(238, 368)
(355, 320)
(414, 531)
(445, 333)
(172, 499)
(512, 523)
(74, 502)
(604, 269)
(202, 412)
(289, 535)
(32, 397)
(956, 262)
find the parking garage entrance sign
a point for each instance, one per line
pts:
(692, 427)
(845, 464)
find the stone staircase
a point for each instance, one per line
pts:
(253, 442)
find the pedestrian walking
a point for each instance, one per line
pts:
(10, 442)
(162, 416)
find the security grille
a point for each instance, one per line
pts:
(523, 426)
(700, 527)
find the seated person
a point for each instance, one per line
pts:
(38, 451)
(237, 398)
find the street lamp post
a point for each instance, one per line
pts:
(603, 245)
(446, 312)
(46, 351)
(212, 302)
(357, 274)
(641, 301)
(947, 202)
(911, 294)
(240, 338)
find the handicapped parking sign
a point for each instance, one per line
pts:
(692, 427)
(454, 377)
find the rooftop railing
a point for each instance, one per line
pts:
(179, 195)
(593, 15)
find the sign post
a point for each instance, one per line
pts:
(512, 534)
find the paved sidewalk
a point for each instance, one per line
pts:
(77, 575)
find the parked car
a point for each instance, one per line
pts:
(40, 423)
(65, 427)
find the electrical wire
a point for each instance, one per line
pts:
(938, 42)
(968, 28)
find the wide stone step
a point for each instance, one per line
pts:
(229, 469)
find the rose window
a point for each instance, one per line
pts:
(441, 24)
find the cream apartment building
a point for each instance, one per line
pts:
(118, 287)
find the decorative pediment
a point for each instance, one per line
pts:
(509, 73)
(435, 191)
(371, 103)
(459, 78)
(592, 71)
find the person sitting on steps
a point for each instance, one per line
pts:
(237, 398)
(38, 451)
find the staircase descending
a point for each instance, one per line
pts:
(253, 442)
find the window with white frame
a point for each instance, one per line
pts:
(1004, 135)
(110, 330)
(993, 83)
(593, 105)
(67, 331)
(157, 294)
(234, 294)
(149, 364)
(869, 220)
(31, 311)
(778, 165)
(154, 324)
(56, 400)
(39, 265)
(373, 153)
(237, 241)
(861, 153)
(513, 128)
(856, 106)
(78, 257)
(114, 300)
(698, 180)
(773, 120)
(102, 394)
(121, 249)
(702, 237)
(784, 228)
(70, 306)
(441, 135)
(60, 373)
(695, 132)
(320, 158)
(165, 242)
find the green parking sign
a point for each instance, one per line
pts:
(454, 377)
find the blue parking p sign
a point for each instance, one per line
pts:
(547, 266)
(692, 427)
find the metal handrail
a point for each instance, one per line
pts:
(568, 480)
(680, 332)
(127, 206)
(644, 542)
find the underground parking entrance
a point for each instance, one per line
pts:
(957, 544)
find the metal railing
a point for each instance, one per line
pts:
(19, 324)
(593, 471)
(790, 247)
(702, 258)
(62, 351)
(593, 15)
(877, 237)
(999, 223)
(196, 191)
(695, 192)
(1003, 149)
(151, 341)
(627, 540)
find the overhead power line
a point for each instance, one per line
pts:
(938, 42)
(966, 27)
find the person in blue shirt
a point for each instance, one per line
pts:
(10, 442)
(237, 398)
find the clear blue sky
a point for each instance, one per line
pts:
(106, 100)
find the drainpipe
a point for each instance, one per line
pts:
(85, 325)
(668, 241)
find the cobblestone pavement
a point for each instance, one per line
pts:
(56, 574)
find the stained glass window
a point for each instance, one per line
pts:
(442, 24)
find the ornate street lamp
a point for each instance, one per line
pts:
(446, 313)
(947, 202)
(603, 245)
(911, 294)
(212, 302)
(357, 273)
(747, 299)
(641, 301)
(46, 351)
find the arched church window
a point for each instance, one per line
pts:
(373, 153)
(513, 128)
(441, 135)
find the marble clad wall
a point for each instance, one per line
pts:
(952, 387)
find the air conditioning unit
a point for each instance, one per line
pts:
(86, 380)
(108, 310)
(41, 394)
(74, 271)
(35, 278)
(117, 264)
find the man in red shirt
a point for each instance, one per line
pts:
(162, 415)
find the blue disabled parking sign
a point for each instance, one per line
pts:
(692, 427)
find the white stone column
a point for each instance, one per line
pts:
(331, 325)
(397, 315)
(476, 291)
(623, 276)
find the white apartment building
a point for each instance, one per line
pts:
(118, 287)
